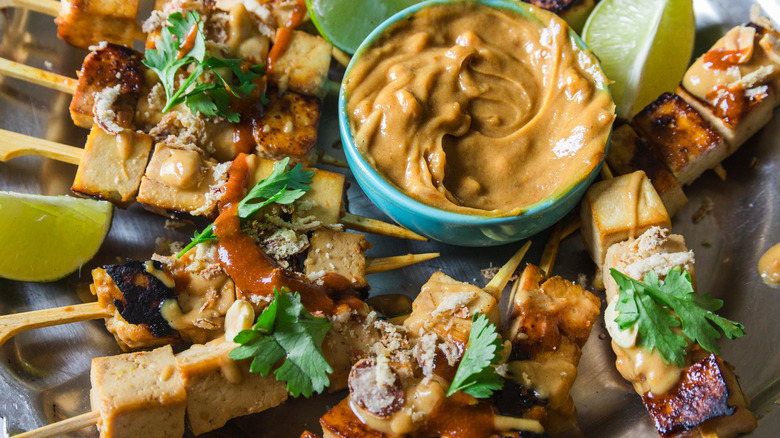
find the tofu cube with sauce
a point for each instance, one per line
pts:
(138, 394)
(219, 388)
(446, 306)
(303, 66)
(181, 181)
(628, 153)
(684, 141)
(112, 166)
(612, 209)
(287, 127)
(338, 252)
(83, 23)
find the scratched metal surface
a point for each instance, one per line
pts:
(44, 374)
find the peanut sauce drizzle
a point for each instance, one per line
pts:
(284, 34)
(255, 273)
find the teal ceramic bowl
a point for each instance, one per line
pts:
(445, 226)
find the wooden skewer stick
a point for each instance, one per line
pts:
(15, 323)
(503, 275)
(551, 250)
(332, 161)
(47, 7)
(340, 57)
(14, 145)
(62, 427)
(571, 227)
(37, 76)
(375, 266)
(374, 226)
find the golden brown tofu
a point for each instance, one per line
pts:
(112, 76)
(707, 399)
(338, 252)
(131, 294)
(446, 306)
(341, 422)
(613, 210)
(138, 394)
(112, 166)
(303, 66)
(575, 12)
(684, 141)
(287, 127)
(629, 153)
(181, 181)
(219, 388)
(349, 341)
(232, 25)
(83, 23)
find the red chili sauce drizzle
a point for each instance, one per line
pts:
(460, 415)
(722, 59)
(730, 103)
(253, 272)
(284, 34)
(188, 43)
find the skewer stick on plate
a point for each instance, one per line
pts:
(340, 57)
(47, 7)
(551, 250)
(13, 324)
(63, 427)
(504, 274)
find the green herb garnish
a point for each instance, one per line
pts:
(286, 330)
(656, 308)
(281, 186)
(168, 59)
(476, 374)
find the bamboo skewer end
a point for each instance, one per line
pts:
(375, 266)
(374, 226)
(63, 427)
(498, 282)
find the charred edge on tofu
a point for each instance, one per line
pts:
(114, 65)
(143, 294)
(701, 394)
(515, 400)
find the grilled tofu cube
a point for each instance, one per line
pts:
(303, 66)
(219, 388)
(131, 294)
(234, 27)
(112, 166)
(83, 23)
(685, 142)
(102, 71)
(338, 252)
(350, 340)
(575, 12)
(707, 397)
(287, 127)
(445, 306)
(629, 153)
(138, 394)
(341, 422)
(606, 219)
(181, 181)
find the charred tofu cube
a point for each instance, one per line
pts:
(287, 127)
(629, 153)
(303, 66)
(446, 306)
(707, 396)
(614, 209)
(575, 12)
(112, 76)
(219, 388)
(685, 142)
(83, 23)
(138, 394)
(112, 166)
(132, 295)
(181, 181)
(338, 252)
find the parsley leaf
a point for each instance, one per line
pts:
(476, 375)
(281, 186)
(167, 59)
(656, 308)
(286, 330)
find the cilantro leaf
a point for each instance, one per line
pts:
(281, 186)
(476, 375)
(656, 308)
(286, 330)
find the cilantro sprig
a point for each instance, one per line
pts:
(286, 330)
(476, 374)
(281, 186)
(169, 58)
(656, 308)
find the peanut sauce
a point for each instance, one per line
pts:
(769, 266)
(479, 110)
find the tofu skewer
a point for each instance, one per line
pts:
(13, 145)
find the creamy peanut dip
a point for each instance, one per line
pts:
(479, 110)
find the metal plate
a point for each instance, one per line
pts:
(44, 374)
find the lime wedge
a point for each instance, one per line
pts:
(644, 47)
(346, 23)
(45, 238)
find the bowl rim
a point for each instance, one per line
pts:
(395, 195)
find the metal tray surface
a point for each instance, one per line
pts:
(44, 374)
